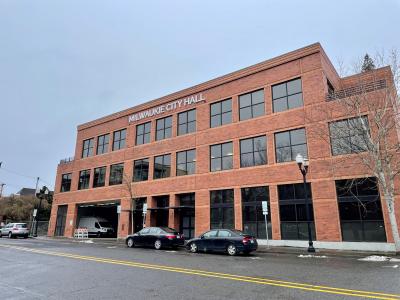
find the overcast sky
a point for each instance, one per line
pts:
(63, 63)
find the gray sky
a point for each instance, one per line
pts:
(63, 63)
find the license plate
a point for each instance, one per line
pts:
(178, 237)
(252, 241)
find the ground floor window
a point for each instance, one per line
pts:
(222, 214)
(162, 212)
(292, 211)
(360, 210)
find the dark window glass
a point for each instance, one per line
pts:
(187, 122)
(84, 178)
(141, 170)
(186, 162)
(164, 128)
(222, 209)
(221, 157)
(221, 113)
(99, 177)
(143, 133)
(287, 95)
(349, 136)
(253, 152)
(251, 105)
(162, 166)
(187, 199)
(102, 143)
(290, 143)
(66, 182)
(119, 139)
(116, 174)
(87, 149)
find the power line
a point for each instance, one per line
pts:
(23, 175)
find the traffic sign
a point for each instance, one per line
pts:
(118, 209)
(35, 212)
(265, 207)
(144, 208)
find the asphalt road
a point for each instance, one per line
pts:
(54, 269)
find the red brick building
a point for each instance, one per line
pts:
(205, 157)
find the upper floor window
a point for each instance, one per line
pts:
(141, 169)
(187, 122)
(99, 177)
(287, 95)
(162, 166)
(143, 133)
(66, 182)
(221, 157)
(87, 149)
(221, 113)
(290, 143)
(186, 162)
(119, 139)
(251, 105)
(84, 178)
(164, 128)
(102, 143)
(349, 136)
(253, 152)
(116, 174)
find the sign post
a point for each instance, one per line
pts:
(265, 213)
(144, 214)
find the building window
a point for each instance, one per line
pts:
(221, 157)
(141, 170)
(221, 113)
(186, 162)
(187, 122)
(287, 95)
(252, 216)
(290, 143)
(116, 174)
(162, 166)
(102, 143)
(66, 182)
(349, 136)
(87, 149)
(99, 177)
(119, 139)
(222, 214)
(84, 178)
(164, 128)
(251, 105)
(360, 210)
(331, 88)
(292, 212)
(143, 133)
(253, 152)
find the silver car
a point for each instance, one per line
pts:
(14, 230)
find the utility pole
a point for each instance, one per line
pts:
(1, 189)
(34, 221)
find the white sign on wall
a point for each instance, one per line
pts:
(145, 208)
(118, 209)
(265, 207)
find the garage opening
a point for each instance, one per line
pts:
(101, 219)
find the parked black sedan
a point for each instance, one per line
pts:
(223, 240)
(157, 237)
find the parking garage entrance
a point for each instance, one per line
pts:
(101, 218)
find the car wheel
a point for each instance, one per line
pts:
(157, 245)
(10, 236)
(231, 250)
(130, 243)
(193, 248)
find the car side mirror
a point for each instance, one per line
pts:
(202, 237)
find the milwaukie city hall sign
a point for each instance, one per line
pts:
(191, 100)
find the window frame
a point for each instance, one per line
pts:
(186, 163)
(252, 105)
(121, 141)
(111, 179)
(84, 179)
(94, 185)
(87, 150)
(62, 189)
(253, 151)
(221, 207)
(141, 169)
(221, 157)
(164, 129)
(221, 113)
(287, 95)
(187, 122)
(164, 168)
(290, 144)
(144, 134)
(103, 146)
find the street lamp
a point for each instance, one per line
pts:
(303, 166)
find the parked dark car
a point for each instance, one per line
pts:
(223, 240)
(157, 237)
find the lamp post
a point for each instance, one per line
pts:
(303, 166)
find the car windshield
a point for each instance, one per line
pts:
(22, 226)
(105, 224)
(168, 230)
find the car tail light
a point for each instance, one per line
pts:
(170, 236)
(246, 240)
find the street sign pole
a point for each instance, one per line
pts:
(265, 213)
(144, 214)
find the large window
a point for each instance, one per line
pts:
(349, 136)
(187, 122)
(66, 182)
(84, 178)
(287, 95)
(360, 210)
(143, 133)
(221, 113)
(253, 152)
(252, 215)
(116, 174)
(87, 149)
(162, 166)
(186, 162)
(99, 177)
(221, 157)
(290, 143)
(251, 105)
(102, 143)
(292, 212)
(164, 128)
(141, 170)
(119, 139)
(222, 212)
